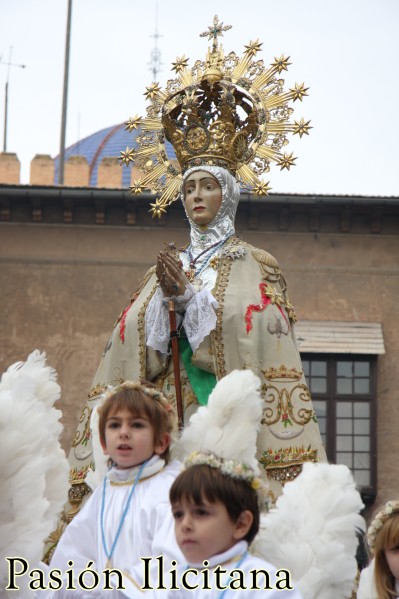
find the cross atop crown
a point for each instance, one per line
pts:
(215, 30)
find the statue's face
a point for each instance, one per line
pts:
(202, 196)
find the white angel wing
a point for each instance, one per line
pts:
(228, 425)
(312, 531)
(33, 467)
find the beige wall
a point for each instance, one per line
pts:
(62, 287)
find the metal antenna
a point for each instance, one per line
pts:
(155, 63)
(9, 64)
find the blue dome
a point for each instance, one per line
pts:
(107, 142)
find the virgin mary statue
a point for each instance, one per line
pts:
(227, 118)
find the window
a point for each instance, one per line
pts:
(343, 392)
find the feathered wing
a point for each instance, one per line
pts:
(312, 531)
(33, 467)
(228, 425)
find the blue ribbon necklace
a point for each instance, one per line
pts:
(237, 565)
(194, 273)
(123, 517)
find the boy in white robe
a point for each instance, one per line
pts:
(216, 510)
(216, 503)
(128, 516)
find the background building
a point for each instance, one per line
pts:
(72, 256)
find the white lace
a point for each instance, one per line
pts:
(157, 322)
(199, 318)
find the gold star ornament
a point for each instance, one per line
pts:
(157, 210)
(136, 188)
(281, 64)
(133, 123)
(152, 91)
(286, 161)
(227, 110)
(180, 64)
(301, 127)
(127, 156)
(253, 47)
(299, 91)
(262, 189)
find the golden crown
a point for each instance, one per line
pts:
(282, 373)
(224, 111)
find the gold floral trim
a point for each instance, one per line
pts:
(77, 491)
(285, 464)
(287, 456)
(141, 333)
(282, 374)
(282, 400)
(291, 313)
(52, 539)
(270, 271)
(81, 437)
(283, 475)
(222, 280)
(97, 390)
(77, 475)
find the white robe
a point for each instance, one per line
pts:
(148, 529)
(366, 589)
(228, 561)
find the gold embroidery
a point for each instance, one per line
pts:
(285, 409)
(265, 258)
(141, 333)
(129, 483)
(285, 464)
(271, 272)
(282, 475)
(80, 436)
(217, 334)
(97, 390)
(214, 262)
(282, 373)
(77, 475)
(76, 493)
(290, 309)
(169, 388)
(53, 538)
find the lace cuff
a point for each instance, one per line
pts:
(200, 317)
(157, 319)
(181, 300)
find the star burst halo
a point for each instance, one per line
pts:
(226, 110)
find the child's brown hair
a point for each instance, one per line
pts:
(386, 538)
(199, 482)
(140, 398)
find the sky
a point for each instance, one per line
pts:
(346, 51)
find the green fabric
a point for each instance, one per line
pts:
(201, 381)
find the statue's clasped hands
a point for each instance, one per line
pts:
(172, 279)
